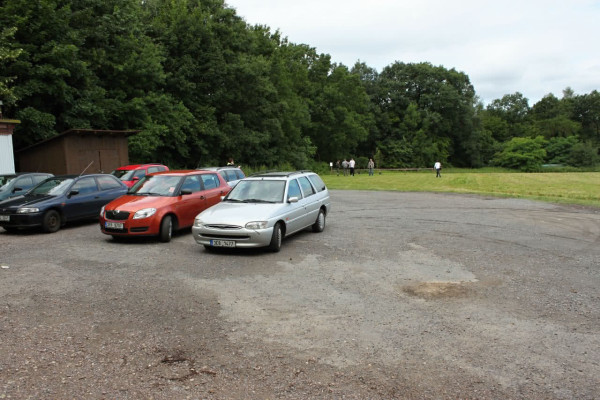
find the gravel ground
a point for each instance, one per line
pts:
(404, 295)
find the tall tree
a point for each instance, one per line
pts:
(339, 111)
(8, 53)
(444, 100)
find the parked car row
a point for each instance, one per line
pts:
(256, 211)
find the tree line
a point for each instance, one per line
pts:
(204, 86)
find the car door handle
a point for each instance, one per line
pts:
(202, 197)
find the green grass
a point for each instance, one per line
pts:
(568, 187)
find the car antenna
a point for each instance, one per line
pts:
(86, 167)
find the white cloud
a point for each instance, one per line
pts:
(531, 46)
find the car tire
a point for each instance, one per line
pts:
(166, 229)
(276, 238)
(10, 229)
(51, 222)
(319, 224)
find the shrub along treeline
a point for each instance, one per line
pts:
(203, 86)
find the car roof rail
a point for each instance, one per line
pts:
(276, 173)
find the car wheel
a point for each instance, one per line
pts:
(51, 221)
(319, 224)
(166, 229)
(275, 244)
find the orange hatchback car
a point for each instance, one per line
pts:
(161, 203)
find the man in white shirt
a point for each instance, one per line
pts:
(351, 165)
(438, 169)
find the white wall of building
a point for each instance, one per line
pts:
(7, 157)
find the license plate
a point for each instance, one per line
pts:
(113, 225)
(222, 243)
(4, 217)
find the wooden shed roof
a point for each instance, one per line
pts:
(74, 132)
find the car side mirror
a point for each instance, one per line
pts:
(17, 189)
(185, 191)
(293, 199)
(135, 178)
(73, 193)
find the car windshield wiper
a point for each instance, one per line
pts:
(235, 200)
(148, 194)
(257, 201)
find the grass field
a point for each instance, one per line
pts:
(566, 187)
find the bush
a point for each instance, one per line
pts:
(583, 155)
(521, 153)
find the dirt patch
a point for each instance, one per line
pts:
(438, 290)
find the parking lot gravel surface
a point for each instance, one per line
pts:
(404, 295)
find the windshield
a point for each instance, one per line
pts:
(258, 191)
(53, 186)
(156, 185)
(124, 175)
(5, 180)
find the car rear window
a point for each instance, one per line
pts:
(231, 175)
(317, 182)
(108, 182)
(85, 185)
(210, 181)
(307, 188)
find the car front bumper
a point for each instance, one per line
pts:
(243, 238)
(131, 227)
(22, 220)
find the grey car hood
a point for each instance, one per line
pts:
(230, 213)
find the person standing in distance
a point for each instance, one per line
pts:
(438, 169)
(345, 167)
(371, 166)
(351, 165)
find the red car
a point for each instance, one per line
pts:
(162, 202)
(130, 174)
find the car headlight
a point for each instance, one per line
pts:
(256, 225)
(144, 213)
(102, 211)
(27, 210)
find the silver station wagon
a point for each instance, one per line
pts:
(263, 209)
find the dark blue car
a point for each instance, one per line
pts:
(60, 199)
(13, 185)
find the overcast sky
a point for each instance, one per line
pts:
(534, 47)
